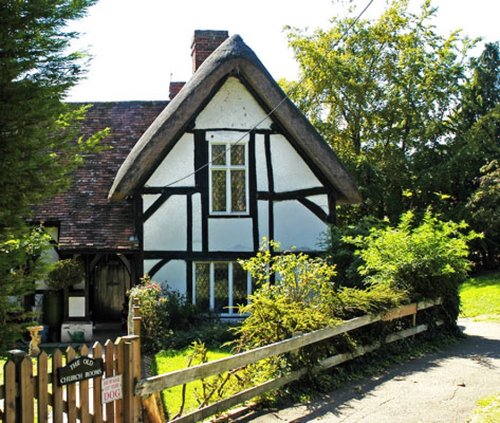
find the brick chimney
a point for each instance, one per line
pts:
(204, 43)
(175, 87)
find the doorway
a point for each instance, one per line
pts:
(110, 276)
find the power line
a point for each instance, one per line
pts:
(287, 95)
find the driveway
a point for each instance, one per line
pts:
(440, 387)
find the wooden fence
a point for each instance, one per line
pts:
(155, 384)
(30, 390)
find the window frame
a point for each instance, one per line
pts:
(230, 309)
(228, 167)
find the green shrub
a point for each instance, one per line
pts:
(162, 311)
(426, 260)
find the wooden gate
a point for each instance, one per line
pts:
(30, 389)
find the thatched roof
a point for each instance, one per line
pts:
(232, 58)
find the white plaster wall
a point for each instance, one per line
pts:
(289, 169)
(230, 234)
(166, 229)
(197, 234)
(296, 226)
(261, 164)
(178, 164)
(232, 107)
(320, 200)
(148, 200)
(263, 214)
(172, 275)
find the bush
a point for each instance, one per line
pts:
(64, 273)
(426, 260)
(162, 312)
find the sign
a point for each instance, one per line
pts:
(111, 389)
(79, 369)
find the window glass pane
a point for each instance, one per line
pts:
(238, 154)
(203, 286)
(239, 286)
(221, 287)
(218, 190)
(218, 154)
(238, 191)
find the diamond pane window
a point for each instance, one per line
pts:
(238, 191)
(240, 285)
(219, 154)
(219, 191)
(228, 178)
(203, 286)
(220, 287)
(238, 154)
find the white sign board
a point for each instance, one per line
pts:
(111, 389)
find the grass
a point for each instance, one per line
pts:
(488, 410)
(170, 360)
(480, 297)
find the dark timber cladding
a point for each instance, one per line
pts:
(232, 57)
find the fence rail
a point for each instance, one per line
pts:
(158, 383)
(30, 387)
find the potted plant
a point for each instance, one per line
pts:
(64, 273)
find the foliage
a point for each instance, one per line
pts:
(480, 297)
(484, 210)
(297, 301)
(64, 273)
(380, 93)
(295, 294)
(426, 260)
(39, 146)
(21, 256)
(162, 312)
(488, 410)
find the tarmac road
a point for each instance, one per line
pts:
(440, 387)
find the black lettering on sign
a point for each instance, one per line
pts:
(79, 369)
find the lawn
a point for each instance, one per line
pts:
(480, 297)
(170, 360)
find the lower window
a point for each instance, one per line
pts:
(220, 287)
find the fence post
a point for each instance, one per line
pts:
(17, 357)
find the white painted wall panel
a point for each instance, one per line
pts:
(171, 275)
(263, 213)
(148, 200)
(178, 164)
(261, 164)
(230, 234)
(197, 234)
(166, 229)
(296, 226)
(289, 169)
(232, 107)
(320, 200)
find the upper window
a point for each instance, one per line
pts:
(228, 177)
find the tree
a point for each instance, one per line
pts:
(39, 147)
(381, 92)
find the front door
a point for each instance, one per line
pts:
(111, 280)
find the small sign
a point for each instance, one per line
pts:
(111, 389)
(79, 369)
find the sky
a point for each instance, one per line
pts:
(139, 46)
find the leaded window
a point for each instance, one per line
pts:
(220, 287)
(228, 177)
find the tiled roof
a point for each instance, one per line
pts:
(86, 219)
